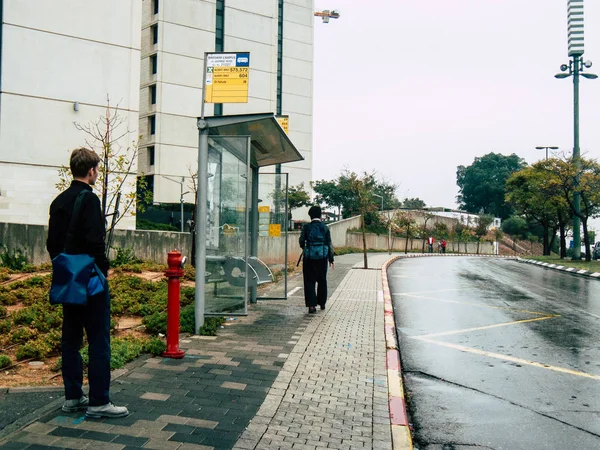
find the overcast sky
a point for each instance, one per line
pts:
(413, 89)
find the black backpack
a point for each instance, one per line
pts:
(316, 247)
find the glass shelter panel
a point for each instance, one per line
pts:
(273, 224)
(227, 240)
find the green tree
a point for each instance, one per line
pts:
(535, 193)
(298, 197)
(481, 228)
(482, 184)
(586, 180)
(408, 226)
(424, 230)
(413, 203)
(339, 193)
(329, 193)
(360, 187)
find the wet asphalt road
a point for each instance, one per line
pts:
(498, 354)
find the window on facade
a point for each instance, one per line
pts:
(151, 155)
(155, 6)
(220, 26)
(154, 64)
(152, 124)
(154, 29)
(153, 94)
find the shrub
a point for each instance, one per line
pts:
(124, 256)
(155, 346)
(47, 319)
(8, 298)
(5, 326)
(21, 335)
(24, 316)
(157, 322)
(58, 365)
(188, 319)
(4, 274)
(14, 260)
(5, 361)
(3, 312)
(37, 349)
(125, 350)
(188, 322)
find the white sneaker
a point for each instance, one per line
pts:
(76, 404)
(109, 411)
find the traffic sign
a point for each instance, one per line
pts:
(227, 77)
(284, 121)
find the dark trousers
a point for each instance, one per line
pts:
(95, 319)
(314, 272)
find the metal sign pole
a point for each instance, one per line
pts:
(201, 214)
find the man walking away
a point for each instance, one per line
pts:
(86, 237)
(315, 240)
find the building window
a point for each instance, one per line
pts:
(151, 155)
(154, 29)
(155, 6)
(154, 63)
(152, 124)
(219, 42)
(220, 26)
(153, 94)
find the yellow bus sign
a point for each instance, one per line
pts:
(284, 121)
(227, 77)
(275, 230)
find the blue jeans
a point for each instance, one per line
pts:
(95, 319)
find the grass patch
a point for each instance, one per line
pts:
(592, 266)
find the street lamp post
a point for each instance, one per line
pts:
(389, 224)
(542, 148)
(181, 183)
(575, 68)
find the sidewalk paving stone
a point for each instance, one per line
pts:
(276, 378)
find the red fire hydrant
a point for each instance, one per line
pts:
(175, 271)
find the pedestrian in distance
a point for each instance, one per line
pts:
(315, 241)
(85, 236)
(444, 243)
(430, 242)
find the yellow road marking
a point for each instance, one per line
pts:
(505, 308)
(486, 327)
(510, 358)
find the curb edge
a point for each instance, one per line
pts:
(401, 432)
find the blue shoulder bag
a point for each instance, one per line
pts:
(75, 277)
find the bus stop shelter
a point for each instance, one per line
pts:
(230, 214)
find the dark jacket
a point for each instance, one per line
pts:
(88, 236)
(305, 232)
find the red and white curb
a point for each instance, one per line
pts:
(401, 437)
(583, 272)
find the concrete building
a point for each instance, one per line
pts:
(176, 34)
(59, 61)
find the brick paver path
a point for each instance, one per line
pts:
(278, 378)
(332, 391)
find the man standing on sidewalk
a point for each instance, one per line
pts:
(86, 232)
(315, 240)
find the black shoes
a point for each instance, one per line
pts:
(312, 310)
(322, 307)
